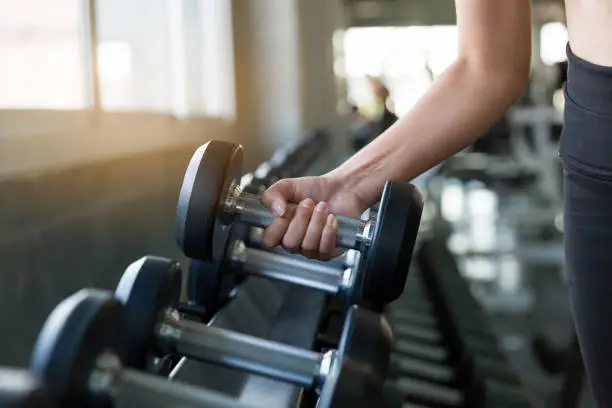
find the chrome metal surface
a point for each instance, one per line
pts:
(287, 269)
(240, 351)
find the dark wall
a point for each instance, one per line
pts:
(79, 228)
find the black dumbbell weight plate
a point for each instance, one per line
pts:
(147, 288)
(367, 339)
(209, 176)
(350, 385)
(75, 335)
(206, 287)
(393, 241)
(210, 282)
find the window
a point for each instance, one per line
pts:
(166, 55)
(217, 59)
(152, 55)
(406, 58)
(42, 52)
(133, 55)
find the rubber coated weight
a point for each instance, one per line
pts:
(390, 253)
(147, 288)
(148, 280)
(393, 397)
(209, 283)
(367, 338)
(21, 389)
(350, 385)
(78, 331)
(209, 175)
(206, 287)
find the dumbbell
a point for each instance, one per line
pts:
(21, 389)
(149, 289)
(422, 327)
(80, 351)
(483, 394)
(433, 319)
(454, 370)
(240, 260)
(211, 200)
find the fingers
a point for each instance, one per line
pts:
(277, 196)
(274, 233)
(292, 241)
(310, 244)
(308, 229)
(327, 244)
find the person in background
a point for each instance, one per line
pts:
(382, 100)
(360, 129)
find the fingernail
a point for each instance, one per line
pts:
(335, 223)
(321, 206)
(307, 203)
(278, 208)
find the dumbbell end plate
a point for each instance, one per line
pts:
(75, 334)
(350, 384)
(209, 175)
(207, 285)
(367, 338)
(390, 253)
(147, 287)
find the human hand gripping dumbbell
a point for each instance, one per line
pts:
(210, 284)
(211, 201)
(150, 288)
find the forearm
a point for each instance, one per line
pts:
(456, 110)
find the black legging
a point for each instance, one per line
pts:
(586, 153)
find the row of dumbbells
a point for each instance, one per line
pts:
(95, 347)
(220, 219)
(446, 353)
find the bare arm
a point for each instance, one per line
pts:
(489, 74)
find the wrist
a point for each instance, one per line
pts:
(365, 181)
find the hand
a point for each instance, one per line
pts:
(311, 227)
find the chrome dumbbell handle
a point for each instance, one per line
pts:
(240, 351)
(128, 388)
(288, 269)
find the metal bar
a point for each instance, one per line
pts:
(240, 351)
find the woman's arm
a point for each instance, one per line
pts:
(489, 74)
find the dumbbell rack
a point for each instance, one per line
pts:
(268, 310)
(438, 308)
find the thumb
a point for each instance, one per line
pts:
(277, 196)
